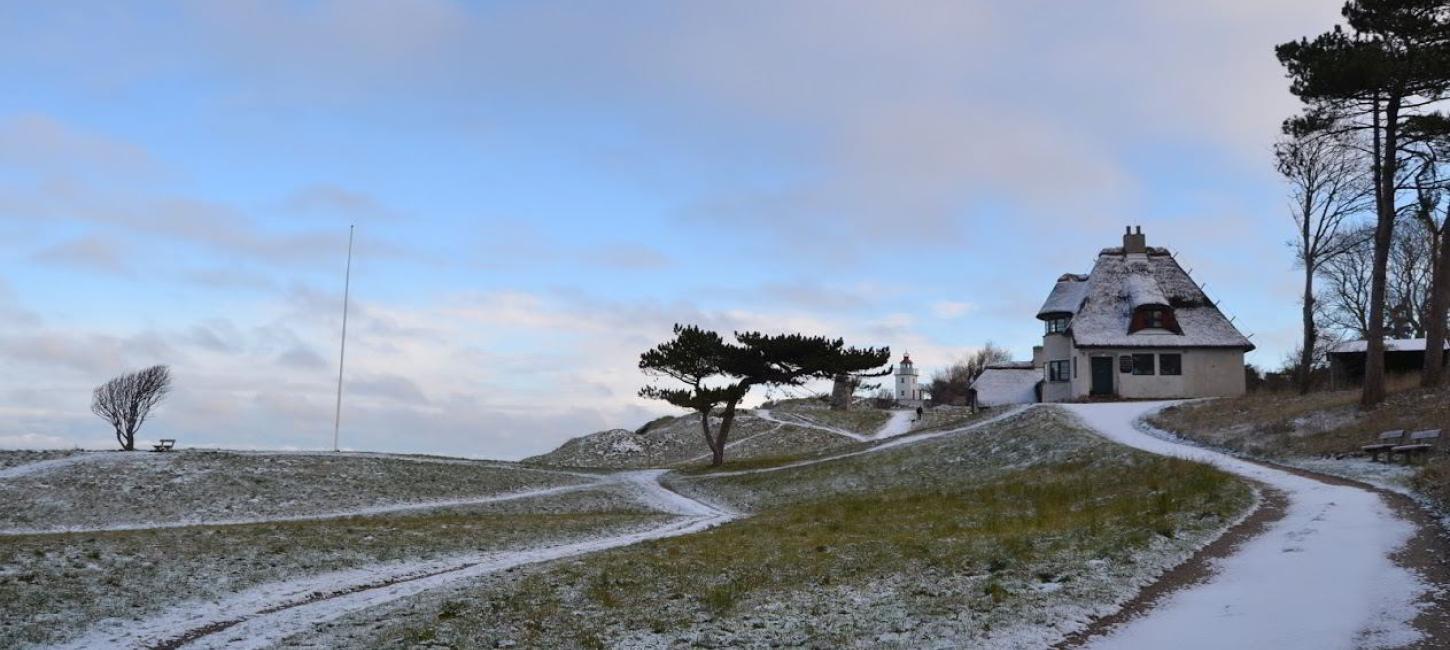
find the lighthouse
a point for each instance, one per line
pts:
(906, 390)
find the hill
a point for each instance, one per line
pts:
(1324, 431)
(785, 429)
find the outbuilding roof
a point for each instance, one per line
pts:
(1391, 345)
(1120, 283)
(1007, 384)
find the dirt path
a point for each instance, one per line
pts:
(265, 615)
(1321, 575)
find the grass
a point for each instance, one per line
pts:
(52, 583)
(1281, 425)
(1288, 426)
(967, 554)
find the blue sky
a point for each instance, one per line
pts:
(541, 189)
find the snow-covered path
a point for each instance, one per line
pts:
(792, 420)
(899, 423)
(43, 466)
(891, 444)
(1320, 578)
(267, 614)
(382, 509)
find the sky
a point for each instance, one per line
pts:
(542, 189)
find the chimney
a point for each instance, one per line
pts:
(1039, 358)
(1134, 242)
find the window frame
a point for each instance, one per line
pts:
(1178, 366)
(1058, 324)
(1142, 369)
(1057, 371)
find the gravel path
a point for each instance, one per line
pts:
(1320, 576)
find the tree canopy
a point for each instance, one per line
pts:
(718, 374)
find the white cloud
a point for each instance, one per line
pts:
(948, 309)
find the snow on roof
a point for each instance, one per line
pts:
(1143, 291)
(1120, 283)
(1066, 296)
(998, 386)
(1391, 345)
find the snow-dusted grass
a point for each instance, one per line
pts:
(56, 586)
(20, 462)
(680, 441)
(116, 489)
(860, 419)
(1008, 537)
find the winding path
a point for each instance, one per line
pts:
(265, 615)
(1320, 577)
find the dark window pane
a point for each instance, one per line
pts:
(1170, 364)
(1143, 364)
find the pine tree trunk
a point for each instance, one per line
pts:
(1385, 172)
(717, 450)
(1434, 371)
(841, 392)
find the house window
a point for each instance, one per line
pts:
(1058, 325)
(1057, 371)
(1143, 364)
(1170, 364)
(1125, 364)
(1160, 318)
(1074, 367)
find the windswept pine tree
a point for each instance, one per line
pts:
(717, 374)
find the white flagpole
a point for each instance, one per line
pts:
(342, 354)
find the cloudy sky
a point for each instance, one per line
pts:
(541, 189)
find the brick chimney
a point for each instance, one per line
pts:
(1039, 358)
(1134, 242)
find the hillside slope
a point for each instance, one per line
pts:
(1006, 534)
(1323, 432)
(787, 429)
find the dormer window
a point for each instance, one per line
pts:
(1058, 324)
(1156, 317)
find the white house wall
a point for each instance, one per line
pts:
(1057, 347)
(1206, 373)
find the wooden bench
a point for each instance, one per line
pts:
(165, 445)
(1421, 442)
(1387, 441)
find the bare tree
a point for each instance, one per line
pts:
(1328, 186)
(1432, 136)
(952, 384)
(1344, 299)
(126, 401)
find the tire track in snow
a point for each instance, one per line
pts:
(266, 615)
(1319, 577)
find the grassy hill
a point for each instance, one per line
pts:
(994, 538)
(1323, 431)
(678, 441)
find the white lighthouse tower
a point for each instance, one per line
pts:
(907, 392)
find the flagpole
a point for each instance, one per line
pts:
(342, 353)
